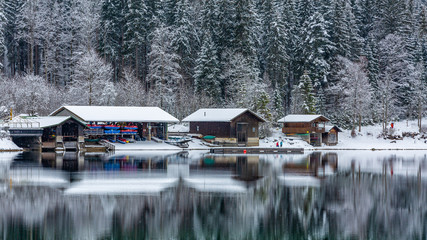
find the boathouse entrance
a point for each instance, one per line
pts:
(242, 133)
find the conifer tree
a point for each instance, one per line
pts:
(317, 48)
(274, 42)
(185, 38)
(307, 99)
(207, 71)
(111, 34)
(164, 71)
(135, 35)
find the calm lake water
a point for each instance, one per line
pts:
(196, 195)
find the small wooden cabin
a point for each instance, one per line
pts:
(309, 127)
(229, 126)
(330, 136)
(59, 132)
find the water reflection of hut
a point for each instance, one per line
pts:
(316, 165)
(246, 167)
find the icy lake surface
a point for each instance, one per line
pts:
(196, 195)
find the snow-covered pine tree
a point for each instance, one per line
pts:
(163, 71)
(394, 78)
(29, 34)
(274, 44)
(389, 17)
(243, 87)
(207, 70)
(277, 103)
(355, 90)
(12, 58)
(246, 26)
(293, 48)
(111, 31)
(317, 48)
(185, 38)
(90, 78)
(2, 28)
(135, 35)
(306, 102)
(420, 93)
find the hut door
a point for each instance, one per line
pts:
(242, 132)
(70, 131)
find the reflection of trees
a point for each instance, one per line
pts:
(367, 207)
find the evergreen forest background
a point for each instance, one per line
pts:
(355, 61)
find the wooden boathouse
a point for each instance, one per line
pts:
(228, 126)
(47, 133)
(148, 122)
(330, 136)
(310, 128)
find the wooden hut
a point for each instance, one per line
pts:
(149, 121)
(229, 126)
(47, 132)
(309, 127)
(330, 136)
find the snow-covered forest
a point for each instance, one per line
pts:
(355, 61)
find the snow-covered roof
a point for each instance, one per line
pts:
(301, 118)
(38, 122)
(117, 114)
(329, 127)
(218, 115)
(50, 121)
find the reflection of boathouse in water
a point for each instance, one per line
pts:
(316, 164)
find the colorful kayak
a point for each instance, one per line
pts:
(109, 127)
(130, 127)
(111, 131)
(129, 131)
(94, 126)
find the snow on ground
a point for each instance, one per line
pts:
(194, 144)
(178, 128)
(144, 145)
(287, 142)
(369, 138)
(6, 144)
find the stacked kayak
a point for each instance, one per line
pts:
(94, 126)
(130, 127)
(128, 131)
(112, 131)
(115, 129)
(111, 127)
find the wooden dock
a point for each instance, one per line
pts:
(252, 150)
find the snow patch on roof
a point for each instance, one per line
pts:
(119, 114)
(299, 118)
(49, 121)
(329, 127)
(216, 115)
